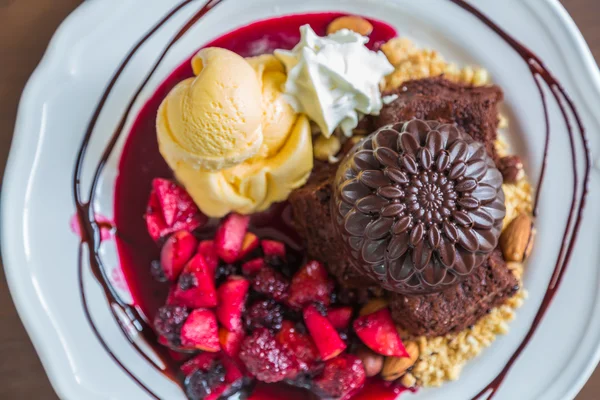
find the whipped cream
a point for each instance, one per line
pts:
(334, 79)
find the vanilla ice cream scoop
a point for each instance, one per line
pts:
(231, 138)
(334, 78)
(213, 121)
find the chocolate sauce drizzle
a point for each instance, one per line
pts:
(130, 319)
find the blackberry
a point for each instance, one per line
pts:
(157, 271)
(225, 270)
(264, 314)
(168, 322)
(271, 283)
(201, 384)
(187, 281)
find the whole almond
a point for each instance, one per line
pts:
(516, 240)
(395, 367)
(372, 306)
(372, 361)
(351, 22)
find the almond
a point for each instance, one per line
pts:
(351, 22)
(372, 306)
(517, 239)
(395, 367)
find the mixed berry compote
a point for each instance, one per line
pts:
(237, 298)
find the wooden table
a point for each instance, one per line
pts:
(25, 28)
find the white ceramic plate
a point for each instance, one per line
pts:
(40, 251)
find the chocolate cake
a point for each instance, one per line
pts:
(312, 216)
(460, 306)
(474, 109)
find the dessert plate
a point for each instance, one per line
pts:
(42, 251)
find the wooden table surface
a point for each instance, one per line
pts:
(25, 29)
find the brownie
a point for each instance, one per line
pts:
(312, 216)
(473, 109)
(458, 307)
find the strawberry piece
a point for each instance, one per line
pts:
(378, 332)
(250, 268)
(341, 377)
(273, 248)
(176, 252)
(232, 298)
(195, 287)
(271, 283)
(170, 209)
(231, 342)
(327, 339)
(201, 331)
(267, 359)
(202, 361)
(340, 317)
(208, 251)
(249, 244)
(230, 237)
(301, 345)
(233, 373)
(167, 194)
(310, 284)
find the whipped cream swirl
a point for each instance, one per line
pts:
(334, 78)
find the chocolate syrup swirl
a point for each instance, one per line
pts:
(131, 320)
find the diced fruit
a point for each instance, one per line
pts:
(176, 252)
(273, 248)
(301, 345)
(310, 284)
(249, 244)
(164, 341)
(208, 251)
(378, 332)
(202, 361)
(203, 385)
(340, 317)
(230, 237)
(271, 283)
(327, 339)
(232, 297)
(250, 268)
(195, 287)
(170, 209)
(341, 376)
(263, 314)
(201, 331)
(231, 342)
(168, 322)
(232, 370)
(266, 359)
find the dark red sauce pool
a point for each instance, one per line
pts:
(141, 162)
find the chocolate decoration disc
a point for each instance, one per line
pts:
(419, 205)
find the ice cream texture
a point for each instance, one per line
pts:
(231, 138)
(334, 79)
